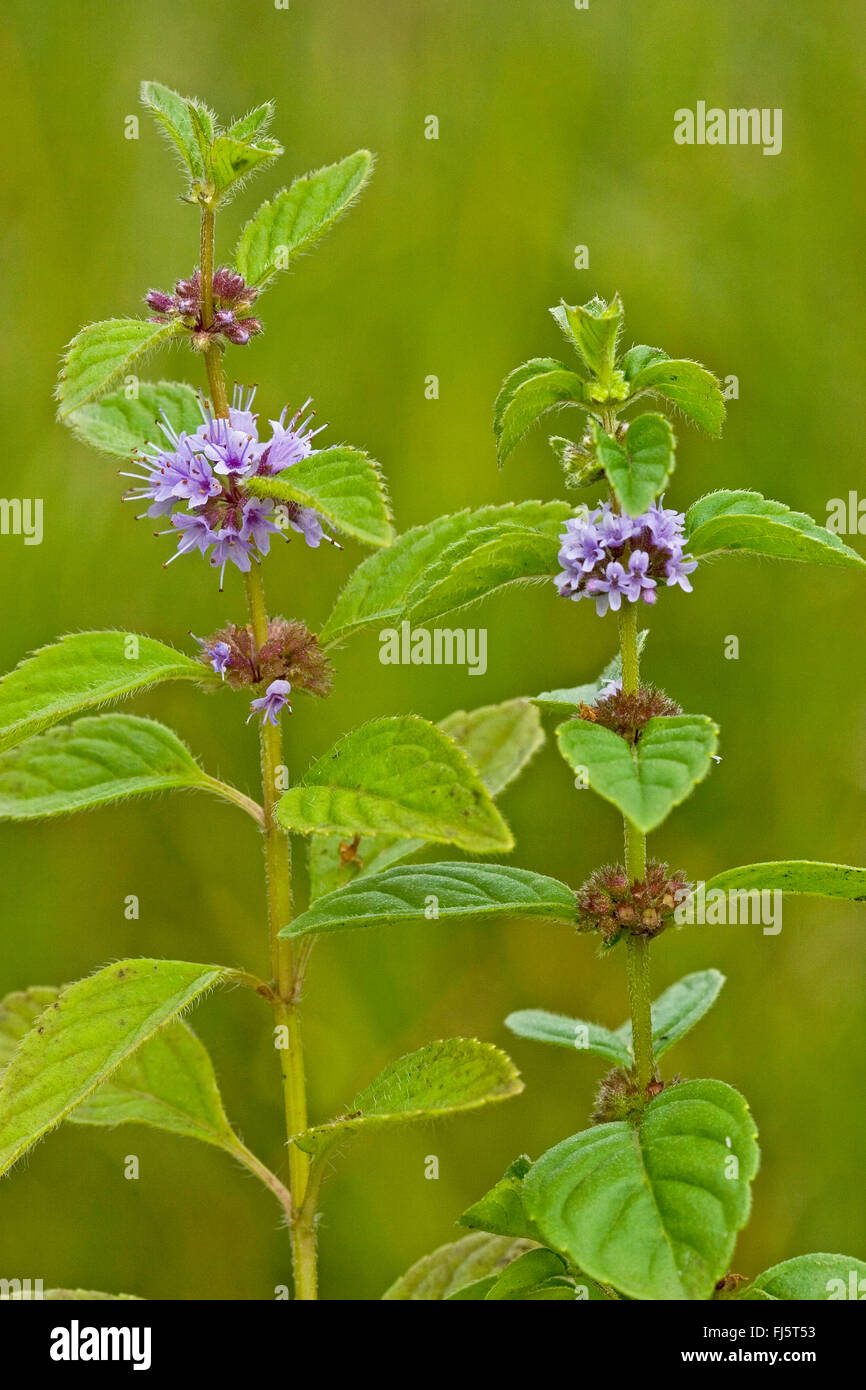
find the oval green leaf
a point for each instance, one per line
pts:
(344, 486)
(746, 521)
(435, 892)
(121, 425)
(529, 392)
(648, 781)
(440, 1079)
(811, 1278)
(639, 467)
(454, 1266)
(652, 1210)
(91, 762)
(103, 352)
(299, 216)
(688, 385)
(84, 1036)
(499, 741)
(84, 670)
(795, 876)
(390, 583)
(398, 776)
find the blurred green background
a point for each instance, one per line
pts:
(555, 130)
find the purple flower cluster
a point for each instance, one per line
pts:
(608, 556)
(203, 474)
(232, 299)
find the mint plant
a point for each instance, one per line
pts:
(647, 1202)
(115, 1048)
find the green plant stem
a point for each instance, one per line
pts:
(246, 1156)
(638, 960)
(277, 845)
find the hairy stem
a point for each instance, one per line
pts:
(277, 845)
(638, 963)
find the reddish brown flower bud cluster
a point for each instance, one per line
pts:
(291, 653)
(609, 903)
(620, 1098)
(628, 715)
(232, 298)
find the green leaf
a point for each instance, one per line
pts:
(122, 425)
(485, 561)
(565, 701)
(18, 1013)
(540, 1026)
(639, 468)
(102, 353)
(648, 781)
(344, 486)
(527, 393)
(395, 583)
(93, 761)
(84, 1036)
(639, 357)
(499, 741)
(454, 1266)
(795, 876)
(299, 216)
(76, 1296)
(526, 1273)
(232, 159)
(398, 776)
(501, 1210)
(436, 892)
(442, 1078)
(169, 1083)
(688, 385)
(593, 328)
(175, 115)
(811, 1279)
(746, 521)
(674, 1013)
(653, 1210)
(256, 122)
(83, 670)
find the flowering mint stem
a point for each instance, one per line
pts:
(288, 976)
(638, 963)
(212, 353)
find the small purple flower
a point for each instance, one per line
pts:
(640, 583)
(610, 688)
(199, 482)
(217, 653)
(306, 522)
(231, 451)
(269, 705)
(678, 567)
(664, 525)
(582, 544)
(607, 556)
(257, 524)
(196, 534)
(608, 591)
(615, 528)
(231, 545)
